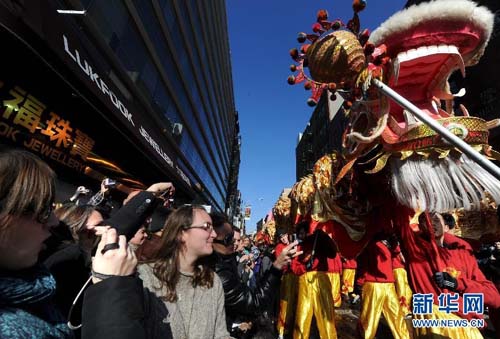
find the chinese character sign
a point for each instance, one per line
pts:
(25, 120)
(448, 303)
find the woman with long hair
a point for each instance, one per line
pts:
(189, 289)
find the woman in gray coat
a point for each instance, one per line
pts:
(191, 292)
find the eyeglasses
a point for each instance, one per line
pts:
(208, 227)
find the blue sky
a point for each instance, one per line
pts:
(271, 112)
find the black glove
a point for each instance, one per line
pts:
(445, 280)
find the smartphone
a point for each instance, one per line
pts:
(295, 238)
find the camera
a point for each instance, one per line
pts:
(109, 182)
(295, 238)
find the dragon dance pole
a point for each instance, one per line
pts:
(437, 127)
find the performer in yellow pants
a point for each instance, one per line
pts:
(379, 293)
(348, 274)
(335, 283)
(315, 298)
(377, 299)
(288, 298)
(403, 289)
(318, 279)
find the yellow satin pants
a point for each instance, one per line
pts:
(378, 299)
(288, 298)
(444, 332)
(348, 275)
(315, 298)
(403, 289)
(335, 282)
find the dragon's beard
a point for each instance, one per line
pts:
(442, 185)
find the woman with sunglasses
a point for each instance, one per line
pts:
(192, 294)
(27, 191)
(26, 198)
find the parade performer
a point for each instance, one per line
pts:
(401, 284)
(348, 274)
(315, 297)
(458, 272)
(378, 291)
(288, 289)
(414, 153)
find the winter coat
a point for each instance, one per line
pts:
(70, 266)
(119, 307)
(242, 301)
(26, 307)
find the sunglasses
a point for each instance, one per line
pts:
(227, 241)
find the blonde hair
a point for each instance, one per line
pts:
(27, 186)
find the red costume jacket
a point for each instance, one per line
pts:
(325, 256)
(375, 264)
(424, 258)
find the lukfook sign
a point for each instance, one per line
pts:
(108, 93)
(94, 77)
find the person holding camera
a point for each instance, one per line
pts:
(242, 303)
(27, 194)
(288, 288)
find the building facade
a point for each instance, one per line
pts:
(322, 135)
(138, 91)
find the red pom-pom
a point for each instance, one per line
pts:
(291, 80)
(317, 28)
(322, 15)
(307, 85)
(303, 48)
(358, 5)
(294, 53)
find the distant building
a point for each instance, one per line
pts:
(322, 135)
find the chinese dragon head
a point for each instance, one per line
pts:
(414, 52)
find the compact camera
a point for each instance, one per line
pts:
(109, 182)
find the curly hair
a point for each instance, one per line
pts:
(166, 261)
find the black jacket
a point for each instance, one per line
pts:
(70, 266)
(114, 308)
(242, 302)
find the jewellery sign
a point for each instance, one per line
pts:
(26, 120)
